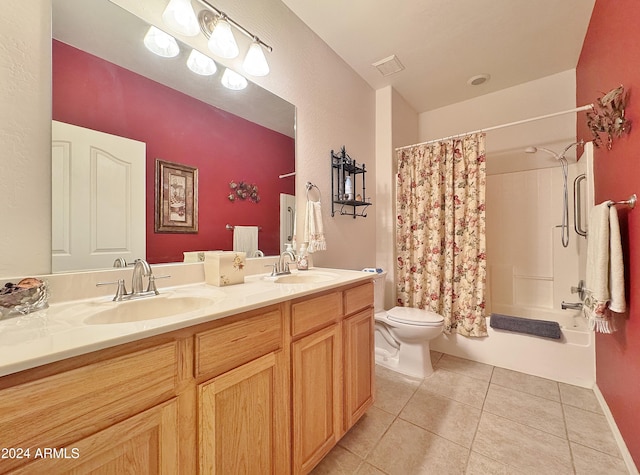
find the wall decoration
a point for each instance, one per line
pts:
(176, 198)
(608, 117)
(243, 191)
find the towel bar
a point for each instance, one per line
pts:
(230, 227)
(631, 202)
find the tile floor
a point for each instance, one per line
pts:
(473, 418)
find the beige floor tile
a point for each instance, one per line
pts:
(592, 462)
(366, 469)
(457, 386)
(407, 449)
(445, 417)
(363, 436)
(338, 462)
(590, 429)
(533, 411)
(526, 383)
(393, 390)
(522, 447)
(469, 368)
(480, 465)
(582, 398)
(435, 356)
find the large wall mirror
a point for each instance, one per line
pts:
(105, 80)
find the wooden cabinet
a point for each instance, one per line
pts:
(143, 444)
(238, 426)
(359, 366)
(317, 396)
(269, 391)
(332, 360)
(243, 399)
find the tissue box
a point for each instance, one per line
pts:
(224, 268)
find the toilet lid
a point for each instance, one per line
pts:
(414, 316)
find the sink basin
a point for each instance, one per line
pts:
(306, 278)
(148, 309)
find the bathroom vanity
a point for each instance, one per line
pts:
(268, 388)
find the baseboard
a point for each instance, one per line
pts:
(624, 451)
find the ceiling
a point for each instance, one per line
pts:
(443, 43)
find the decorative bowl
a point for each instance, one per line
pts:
(25, 300)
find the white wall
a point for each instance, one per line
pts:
(25, 137)
(396, 125)
(335, 107)
(505, 146)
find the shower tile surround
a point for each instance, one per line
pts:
(474, 418)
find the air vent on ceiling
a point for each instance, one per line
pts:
(389, 66)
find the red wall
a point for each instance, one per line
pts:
(99, 95)
(610, 57)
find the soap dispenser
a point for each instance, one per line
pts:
(302, 259)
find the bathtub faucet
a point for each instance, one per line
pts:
(571, 305)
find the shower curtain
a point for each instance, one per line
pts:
(440, 231)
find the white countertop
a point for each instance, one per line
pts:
(61, 331)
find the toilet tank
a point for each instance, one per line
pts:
(378, 291)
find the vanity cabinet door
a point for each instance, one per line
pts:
(146, 443)
(358, 365)
(317, 396)
(238, 420)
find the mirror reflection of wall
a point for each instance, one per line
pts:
(95, 93)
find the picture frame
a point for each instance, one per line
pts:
(176, 193)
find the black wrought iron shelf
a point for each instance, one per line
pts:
(343, 166)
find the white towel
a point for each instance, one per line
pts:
(245, 239)
(313, 227)
(605, 268)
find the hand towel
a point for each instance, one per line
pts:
(313, 227)
(245, 239)
(605, 268)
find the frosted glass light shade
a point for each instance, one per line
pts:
(201, 64)
(160, 43)
(232, 80)
(255, 62)
(180, 17)
(222, 43)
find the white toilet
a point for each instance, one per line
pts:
(402, 335)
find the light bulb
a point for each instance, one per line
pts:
(222, 43)
(160, 43)
(201, 64)
(180, 17)
(255, 62)
(232, 80)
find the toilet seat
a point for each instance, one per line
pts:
(415, 316)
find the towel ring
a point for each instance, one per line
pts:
(310, 186)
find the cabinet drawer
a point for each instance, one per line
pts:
(315, 313)
(229, 346)
(58, 410)
(358, 298)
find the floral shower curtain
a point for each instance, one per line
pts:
(440, 231)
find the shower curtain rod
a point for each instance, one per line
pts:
(501, 126)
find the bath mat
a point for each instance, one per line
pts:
(543, 328)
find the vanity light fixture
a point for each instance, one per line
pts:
(217, 26)
(161, 43)
(222, 42)
(201, 64)
(180, 17)
(255, 62)
(232, 80)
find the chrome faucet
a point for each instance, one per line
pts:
(283, 265)
(571, 305)
(141, 268)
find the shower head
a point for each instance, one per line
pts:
(532, 149)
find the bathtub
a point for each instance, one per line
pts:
(569, 360)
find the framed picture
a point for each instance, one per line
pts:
(176, 198)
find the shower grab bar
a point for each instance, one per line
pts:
(290, 211)
(578, 225)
